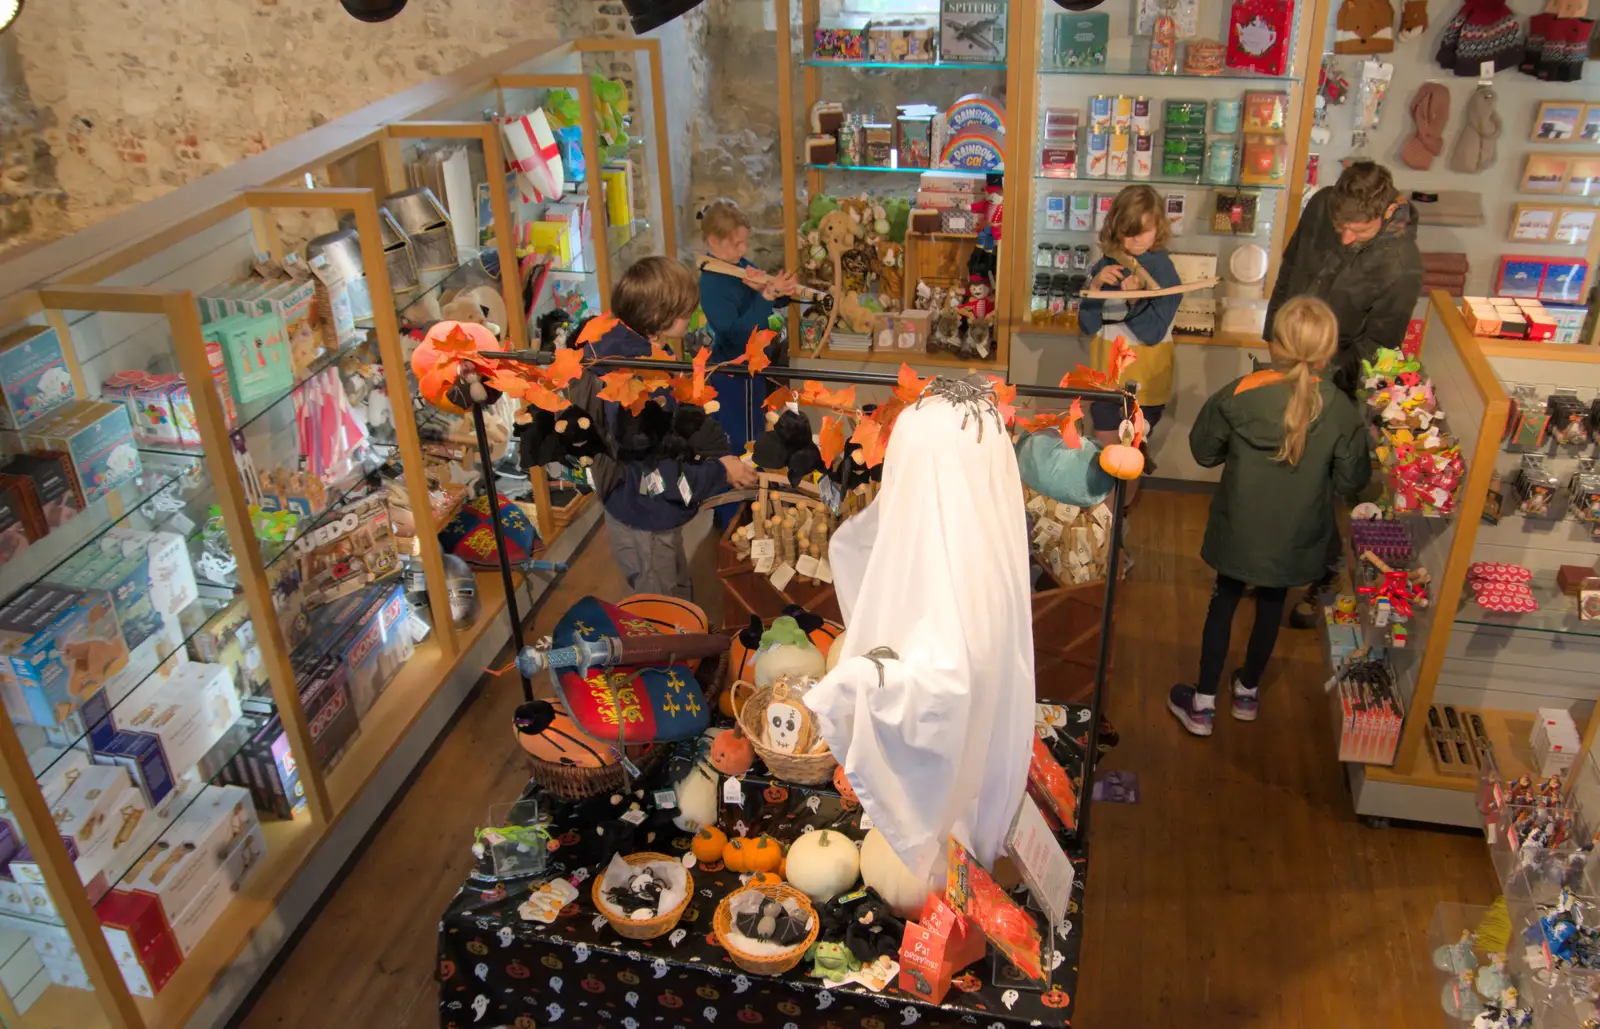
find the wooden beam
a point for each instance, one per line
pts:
(387, 326)
(323, 198)
(505, 239)
(438, 129)
(1307, 51)
(658, 129)
(786, 162)
(1013, 288)
(118, 299)
(601, 238)
(189, 344)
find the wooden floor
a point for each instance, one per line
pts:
(1239, 892)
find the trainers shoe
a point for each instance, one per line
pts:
(1245, 701)
(1181, 702)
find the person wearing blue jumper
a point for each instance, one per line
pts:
(734, 308)
(648, 495)
(1136, 228)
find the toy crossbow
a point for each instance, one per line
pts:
(827, 300)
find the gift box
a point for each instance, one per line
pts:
(1259, 32)
(58, 646)
(142, 945)
(1564, 280)
(34, 377)
(255, 353)
(1520, 276)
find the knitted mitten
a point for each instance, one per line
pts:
(1413, 19)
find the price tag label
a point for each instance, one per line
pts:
(634, 817)
(866, 821)
(806, 566)
(666, 800)
(685, 490)
(733, 791)
(824, 571)
(830, 495)
(781, 577)
(652, 485)
(418, 627)
(763, 553)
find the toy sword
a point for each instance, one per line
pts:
(612, 651)
(761, 279)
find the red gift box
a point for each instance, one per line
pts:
(1258, 35)
(935, 949)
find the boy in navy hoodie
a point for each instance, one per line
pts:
(649, 495)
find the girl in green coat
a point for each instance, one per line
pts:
(1288, 441)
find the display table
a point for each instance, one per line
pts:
(497, 969)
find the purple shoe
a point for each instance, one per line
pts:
(1245, 701)
(1181, 702)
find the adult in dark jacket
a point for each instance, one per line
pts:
(1355, 249)
(1289, 441)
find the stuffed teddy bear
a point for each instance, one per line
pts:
(570, 437)
(788, 446)
(873, 931)
(855, 314)
(890, 269)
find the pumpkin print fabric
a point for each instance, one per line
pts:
(498, 969)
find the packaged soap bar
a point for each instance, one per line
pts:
(34, 377)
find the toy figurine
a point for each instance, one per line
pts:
(1457, 998)
(831, 961)
(1521, 792)
(1504, 1015)
(980, 304)
(640, 896)
(1492, 978)
(1456, 957)
(1344, 609)
(873, 931)
(1550, 790)
(772, 923)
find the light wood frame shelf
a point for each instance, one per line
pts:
(117, 268)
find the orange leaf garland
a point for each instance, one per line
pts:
(659, 352)
(456, 339)
(873, 440)
(567, 366)
(1005, 399)
(780, 399)
(545, 399)
(1038, 422)
(814, 394)
(830, 440)
(1069, 425)
(1121, 356)
(755, 351)
(911, 386)
(625, 388)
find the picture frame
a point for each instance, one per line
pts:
(1558, 121)
(1574, 225)
(1589, 131)
(1544, 173)
(1533, 223)
(1583, 177)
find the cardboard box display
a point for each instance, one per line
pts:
(330, 713)
(353, 548)
(172, 583)
(192, 850)
(266, 767)
(140, 755)
(190, 927)
(34, 377)
(143, 947)
(49, 488)
(377, 647)
(125, 578)
(972, 30)
(189, 709)
(58, 647)
(616, 180)
(97, 437)
(16, 528)
(293, 302)
(255, 353)
(97, 817)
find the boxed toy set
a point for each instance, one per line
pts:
(353, 548)
(98, 439)
(58, 647)
(34, 377)
(48, 489)
(256, 354)
(266, 767)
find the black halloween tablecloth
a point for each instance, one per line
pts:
(497, 969)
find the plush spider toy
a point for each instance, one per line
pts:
(570, 437)
(787, 446)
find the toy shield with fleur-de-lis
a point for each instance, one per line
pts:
(659, 703)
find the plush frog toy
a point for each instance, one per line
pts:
(786, 650)
(832, 961)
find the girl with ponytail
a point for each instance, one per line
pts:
(1288, 440)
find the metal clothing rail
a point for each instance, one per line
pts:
(1113, 555)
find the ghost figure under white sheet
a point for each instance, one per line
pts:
(936, 738)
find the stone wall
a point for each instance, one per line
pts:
(106, 105)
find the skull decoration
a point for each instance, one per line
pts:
(784, 724)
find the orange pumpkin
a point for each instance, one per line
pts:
(822, 638)
(731, 700)
(1122, 461)
(708, 844)
(766, 878)
(762, 854)
(437, 365)
(847, 793)
(563, 743)
(668, 614)
(731, 752)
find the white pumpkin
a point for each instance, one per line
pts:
(882, 869)
(697, 799)
(836, 652)
(823, 864)
(798, 661)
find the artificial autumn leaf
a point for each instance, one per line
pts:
(456, 339)
(780, 399)
(436, 384)
(814, 394)
(873, 440)
(911, 386)
(1084, 377)
(508, 382)
(568, 365)
(830, 440)
(755, 351)
(1121, 356)
(1069, 425)
(545, 399)
(596, 327)
(1038, 422)
(1005, 399)
(625, 388)
(659, 352)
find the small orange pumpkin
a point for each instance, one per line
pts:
(766, 878)
(436, 362)
(1122, 461)
(731, 752)
(761, 854)
(708, 844)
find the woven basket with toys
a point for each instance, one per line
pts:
(773, 926)
(783, 732)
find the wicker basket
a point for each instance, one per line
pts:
(805, 769)
(653, 927)
(774, 964)
(573, 782)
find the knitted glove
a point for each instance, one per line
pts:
(1413, 19)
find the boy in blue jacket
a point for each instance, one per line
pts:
(733, 309)
(650, 491)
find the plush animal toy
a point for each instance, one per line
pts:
(555, 326)
(873, 931)
(890, 268)
(569, 437)
(855, 314)
(788, 446)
